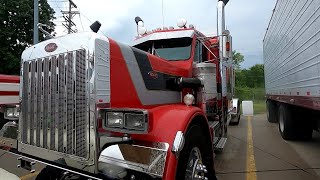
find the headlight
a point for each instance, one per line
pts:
(11, 112)
(127, 121)
(114, 119)
(135, 121)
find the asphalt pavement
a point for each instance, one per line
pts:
(267, 156)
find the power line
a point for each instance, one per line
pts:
(68, 16)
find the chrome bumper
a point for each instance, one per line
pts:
(149, 158)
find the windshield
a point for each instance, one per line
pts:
(173, 49)
(169, 49)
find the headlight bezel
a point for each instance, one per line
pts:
(123, 128)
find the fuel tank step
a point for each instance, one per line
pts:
(220, 145)
(214, 124)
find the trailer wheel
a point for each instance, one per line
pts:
(272, 114)
(303, 118)
(195, 153)
(286, 123)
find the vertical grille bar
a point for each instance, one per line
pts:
(32, 94)
(61, 103)
(35, 107)
(70, 108)
(80, 105)
(38, 111)
(53, 102)
(45, 101)
(25, 100)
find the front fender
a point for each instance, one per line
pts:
(165, 121)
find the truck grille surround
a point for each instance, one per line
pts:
(54, 103)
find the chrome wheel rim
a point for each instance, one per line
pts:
(195, 168)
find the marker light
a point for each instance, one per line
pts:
(141, 24)
(181, 23)
(142, 30)
(188, 99)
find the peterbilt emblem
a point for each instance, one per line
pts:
(153, 74)
(50, 47)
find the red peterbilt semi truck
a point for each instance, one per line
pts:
(93, 107)
(292, 68)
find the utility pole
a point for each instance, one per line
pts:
(35, 21)
(68, 15)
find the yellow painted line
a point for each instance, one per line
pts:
(28, 176)
(251, 165)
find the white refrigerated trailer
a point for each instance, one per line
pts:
(292, 68)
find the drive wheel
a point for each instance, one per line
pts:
(286, 123)
(196, 158)
(272, 114)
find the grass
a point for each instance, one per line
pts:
(259, 107)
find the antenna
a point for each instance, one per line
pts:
(68, 15)
(162, 16)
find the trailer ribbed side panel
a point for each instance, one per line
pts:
(291, 49)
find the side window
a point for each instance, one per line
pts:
(200, 53)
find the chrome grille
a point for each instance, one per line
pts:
(54, 103)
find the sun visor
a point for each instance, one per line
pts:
(164, 35)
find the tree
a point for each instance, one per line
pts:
(238, 58)
(16, 30)
(252, 77)
(256, 76)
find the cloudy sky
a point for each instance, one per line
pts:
(247, 20)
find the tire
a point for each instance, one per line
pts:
(272, 111)
(286, 123)
(194, 139)
(304, 121)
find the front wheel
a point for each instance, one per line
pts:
(196, 158)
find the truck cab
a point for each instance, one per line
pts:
(94, 107)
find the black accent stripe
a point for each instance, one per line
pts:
(161, 81)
